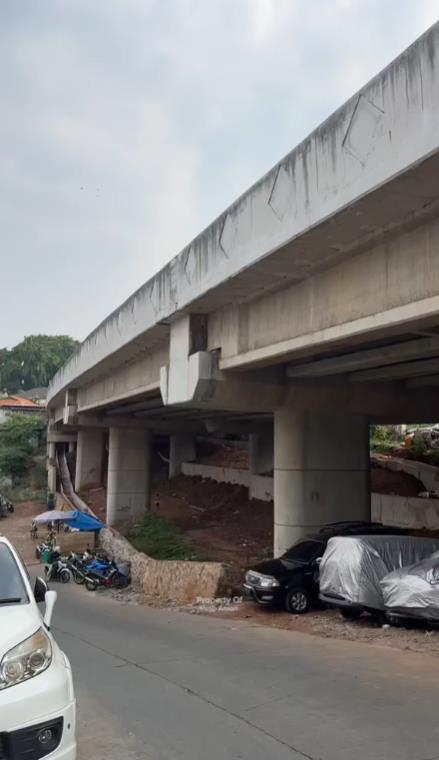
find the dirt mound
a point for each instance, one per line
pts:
(394, 482)
(221, 521)
(223, 455)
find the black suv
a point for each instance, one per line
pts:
(292, 580)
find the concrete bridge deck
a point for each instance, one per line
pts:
(311, 307)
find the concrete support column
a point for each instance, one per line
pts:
(261, 453)
(260, 449)
(89, 456)
(321, 472)
(51, 467)
(129, 474)
(181, 449)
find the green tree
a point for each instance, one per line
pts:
(34, 361)
(19, 439)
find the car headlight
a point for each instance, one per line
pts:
(268, 582)
(26, 660)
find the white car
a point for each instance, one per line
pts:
(37, 701)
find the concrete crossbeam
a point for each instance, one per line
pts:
(360, 360)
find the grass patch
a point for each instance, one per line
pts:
(24, 493)
(161, 540)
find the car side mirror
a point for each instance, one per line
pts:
(50, 599)
(40, 590)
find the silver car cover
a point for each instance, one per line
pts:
(353, 566)
(414, 589)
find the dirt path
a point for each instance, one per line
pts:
(16, 528)
(329, 624)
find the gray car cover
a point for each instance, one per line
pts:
(414, 589)
(353, 566)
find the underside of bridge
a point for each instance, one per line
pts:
(306, 312)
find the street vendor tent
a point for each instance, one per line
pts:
(84, 522)
(74, 519)
(52, 516)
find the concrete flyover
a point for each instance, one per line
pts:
(307, 310)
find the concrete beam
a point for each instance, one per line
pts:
(397, 371)
(54, 437)
(423, 382)
(361, 360)
(337, 190)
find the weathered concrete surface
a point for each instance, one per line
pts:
(321, 472)
(89, 458)
(129, 475)
(182, 448)
(405, 511)
(368, 168)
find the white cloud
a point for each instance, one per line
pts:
(162, 111)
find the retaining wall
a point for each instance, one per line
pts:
(259, 486)
(405, 512)
(170, 579)
(426, 473)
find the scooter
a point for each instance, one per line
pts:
(58, 571)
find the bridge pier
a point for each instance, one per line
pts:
(51, 467)
(181, 449)
(89, 457)
(129, 474)
(321, 472)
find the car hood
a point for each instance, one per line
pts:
(17, 623)
(276, 567)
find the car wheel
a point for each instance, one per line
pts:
(296, 601)
(350, 613)
(394, 620)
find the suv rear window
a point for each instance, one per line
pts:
(305, 551)
(12, 588)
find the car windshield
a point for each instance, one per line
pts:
(305, 551)
(12, 588)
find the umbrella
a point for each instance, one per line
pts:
(52, 516)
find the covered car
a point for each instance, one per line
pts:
(352, 568)
(413, 591)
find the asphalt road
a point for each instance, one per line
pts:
(166, 685)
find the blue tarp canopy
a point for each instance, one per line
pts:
(84, 522)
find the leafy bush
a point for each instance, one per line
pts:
(383, 438)
(157, 538)
(22, 431)
(14, 461)
(19, 439)
(419, 447)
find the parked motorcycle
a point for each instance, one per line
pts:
(76, 565)
(58, 571)
(44, 546)
(107, 574)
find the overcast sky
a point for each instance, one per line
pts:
(128, 125)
